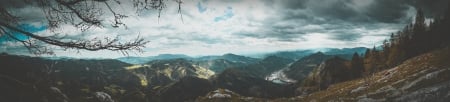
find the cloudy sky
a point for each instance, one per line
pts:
(214, 27)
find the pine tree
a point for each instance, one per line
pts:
(419, 20)
(375, 58)
(392, 39)
(418, 40)
(367, 54)
(357, 65)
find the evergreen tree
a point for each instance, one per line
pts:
(418, 39)
(419, 20)
(357, 65)
(367, 54)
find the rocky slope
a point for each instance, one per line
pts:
(186, 89)
(300, 69)
(425, 78)
(225, 95)
(330, 72)
(248, 85)
(218, 65)
(163, 72)
(265, 67)
(43, 80)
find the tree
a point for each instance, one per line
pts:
(419, 20)
(367, 54)
(357, 65)
(392, 39)
(83, 14)
(418, 39)
(386, 48)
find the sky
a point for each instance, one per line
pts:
(215, 27)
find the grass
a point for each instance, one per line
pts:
(409, 71)
(384, 86)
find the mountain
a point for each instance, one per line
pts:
(300, 69)
(331, 71)
(238, 58)
(248, 85)
(67, 67)
(225, 95)
(234, 79)
(286, 54)
(298, 54)
(423, 78)
(134, 60)
(141, 60)
(163, 72)
(343, 51)
(41, 79)
(187, 89)
(218, 65)
(230, 57)
(294, 55)
(214, 63)
(266, 66)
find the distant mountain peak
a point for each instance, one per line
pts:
(176, 55)
(319, 53)
(141, 60)
(229, 54)
(276, 58)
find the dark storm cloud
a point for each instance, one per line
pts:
(13, 3)
(333, 9)
(353, 10)
(24, 10)
(345, 35)
(282, 30)
(431, 7)
(276, 35)
(340, 18)
(293, 20)
(294, 4)
(388, 11)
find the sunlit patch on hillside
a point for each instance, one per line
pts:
(204, 73)
(143, 79)
(136, 66)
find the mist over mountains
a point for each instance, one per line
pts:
(294, 55)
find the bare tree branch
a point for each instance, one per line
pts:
(82, 14)
(91, 45)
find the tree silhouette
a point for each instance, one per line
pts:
(82, 14)
(415, 39)
(357, 65)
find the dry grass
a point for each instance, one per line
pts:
(387, 82)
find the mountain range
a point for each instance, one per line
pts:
(190, 79)
(294, 55)
(158, 75)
